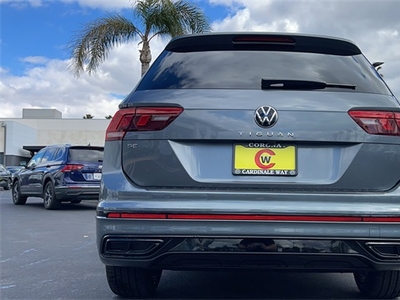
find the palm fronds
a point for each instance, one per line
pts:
(91, 45)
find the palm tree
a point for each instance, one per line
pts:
(88, 116)
(91, 46)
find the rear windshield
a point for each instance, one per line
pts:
(86, 155)
(245, 69)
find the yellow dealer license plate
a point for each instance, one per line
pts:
(264, 159)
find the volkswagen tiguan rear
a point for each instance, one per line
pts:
(253, 151)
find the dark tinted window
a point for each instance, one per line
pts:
(245, 69)
(85, 155)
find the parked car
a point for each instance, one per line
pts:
(5, 178)
(13, 170)
(253, 151)
(60, 173)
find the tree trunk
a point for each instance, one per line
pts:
(145, 56)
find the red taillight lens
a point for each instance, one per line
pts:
(71, 168)
(140, 119)
(377, 122)
(148, 118)
(289, 218)
(119, 124)
(397, 118)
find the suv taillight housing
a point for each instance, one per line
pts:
(71, 168)
(140, 119)
(377, 122)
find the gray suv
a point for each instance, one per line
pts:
(253, 151)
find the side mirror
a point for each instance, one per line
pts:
(30, 167)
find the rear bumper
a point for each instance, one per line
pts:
(209, 201)
(182, 253)
(374, 219)
(303, 262)
(81, 192)
(172, 244)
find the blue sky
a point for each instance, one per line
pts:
(39, 31)
(43, 30)
(34, 34)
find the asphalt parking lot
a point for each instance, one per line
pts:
(49, 254)
(52, 255)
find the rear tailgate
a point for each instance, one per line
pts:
(215, 143)
(86, 164)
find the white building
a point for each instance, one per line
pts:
(21, 137)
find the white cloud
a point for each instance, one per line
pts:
(35, 59)
(3, 70)
(103, 4)
(374, 26)
(51, 84)
(23, 3)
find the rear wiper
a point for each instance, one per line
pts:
(290, 84)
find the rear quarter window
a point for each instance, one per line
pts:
(59, 156)
(49, 155)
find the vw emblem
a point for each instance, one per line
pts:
(266, 116)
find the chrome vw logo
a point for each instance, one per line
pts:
(266, 116)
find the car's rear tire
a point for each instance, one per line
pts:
(17, 198)
(49, 197)
(132, 282)
(379, 284)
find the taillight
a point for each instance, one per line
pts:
(377, 122)
(233, 217)
(140, 119)
(71, 168)
(119, 124)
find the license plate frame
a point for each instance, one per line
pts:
(264, 159)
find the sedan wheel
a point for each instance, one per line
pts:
(379, 284)
(16, 195)
(132, 282)
(49, 197)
